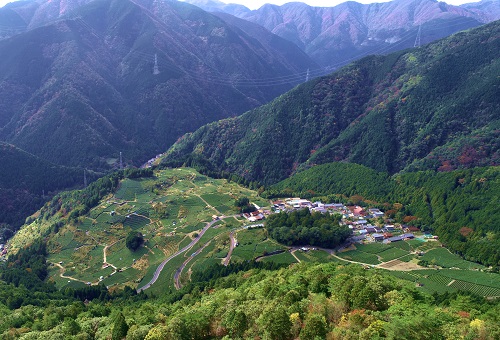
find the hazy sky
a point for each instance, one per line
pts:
(253, 4)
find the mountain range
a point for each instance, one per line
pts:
(84, 86)
(435, 107)
(334, 36)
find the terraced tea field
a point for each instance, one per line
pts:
(169, 210)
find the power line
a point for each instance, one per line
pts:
(298, 77)
(417, 39)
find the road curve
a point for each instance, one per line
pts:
(179, 270)
(183, 250)
(162, 265)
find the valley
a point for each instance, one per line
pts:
(284, 201)
(189, 222)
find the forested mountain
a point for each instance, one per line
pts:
(460, 206)
(82, 88)
(334, 36)
(435, 107)
(26, 182)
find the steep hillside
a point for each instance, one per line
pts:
(334, 36)
(26, 182)
(80, 90)
(436, 107)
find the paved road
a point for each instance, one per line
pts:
(179, 270)
(186, 248)
(183, 250)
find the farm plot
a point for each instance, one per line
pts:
(372, 248)
(320, 256)
(451, 280)
(128, 190)
(476, 288)
(281, 258)
(359, 256)
(392, 253)
(443, 258)
(136, 222)
(223, 203)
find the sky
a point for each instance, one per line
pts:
(254, 4)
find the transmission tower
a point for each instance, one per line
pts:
(121, 161)
(84, 178)
(156, 69)
(417, 39)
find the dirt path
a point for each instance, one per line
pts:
(61, 274)
(231, 248)
(293, 254)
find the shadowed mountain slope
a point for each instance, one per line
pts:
(81, 89)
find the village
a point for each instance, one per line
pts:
(367, 224)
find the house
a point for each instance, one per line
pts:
(356, 211)
(377, 237)
(335, 206)
(370, 229)
(298, 203)
(409, 229)
(376, 213)
(389, 228)
(254, 216)
(318, 209)
(398, 238)
(360, 223)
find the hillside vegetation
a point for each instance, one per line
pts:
(434, 108)
(26, 182)
(324, 301)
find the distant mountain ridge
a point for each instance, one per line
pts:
(436, 107)
(84, 86)
(333, 36)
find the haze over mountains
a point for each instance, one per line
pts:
(334, 36)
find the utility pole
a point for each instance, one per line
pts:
(156, 69)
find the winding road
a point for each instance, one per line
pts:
(183, 250)
(179, 270)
